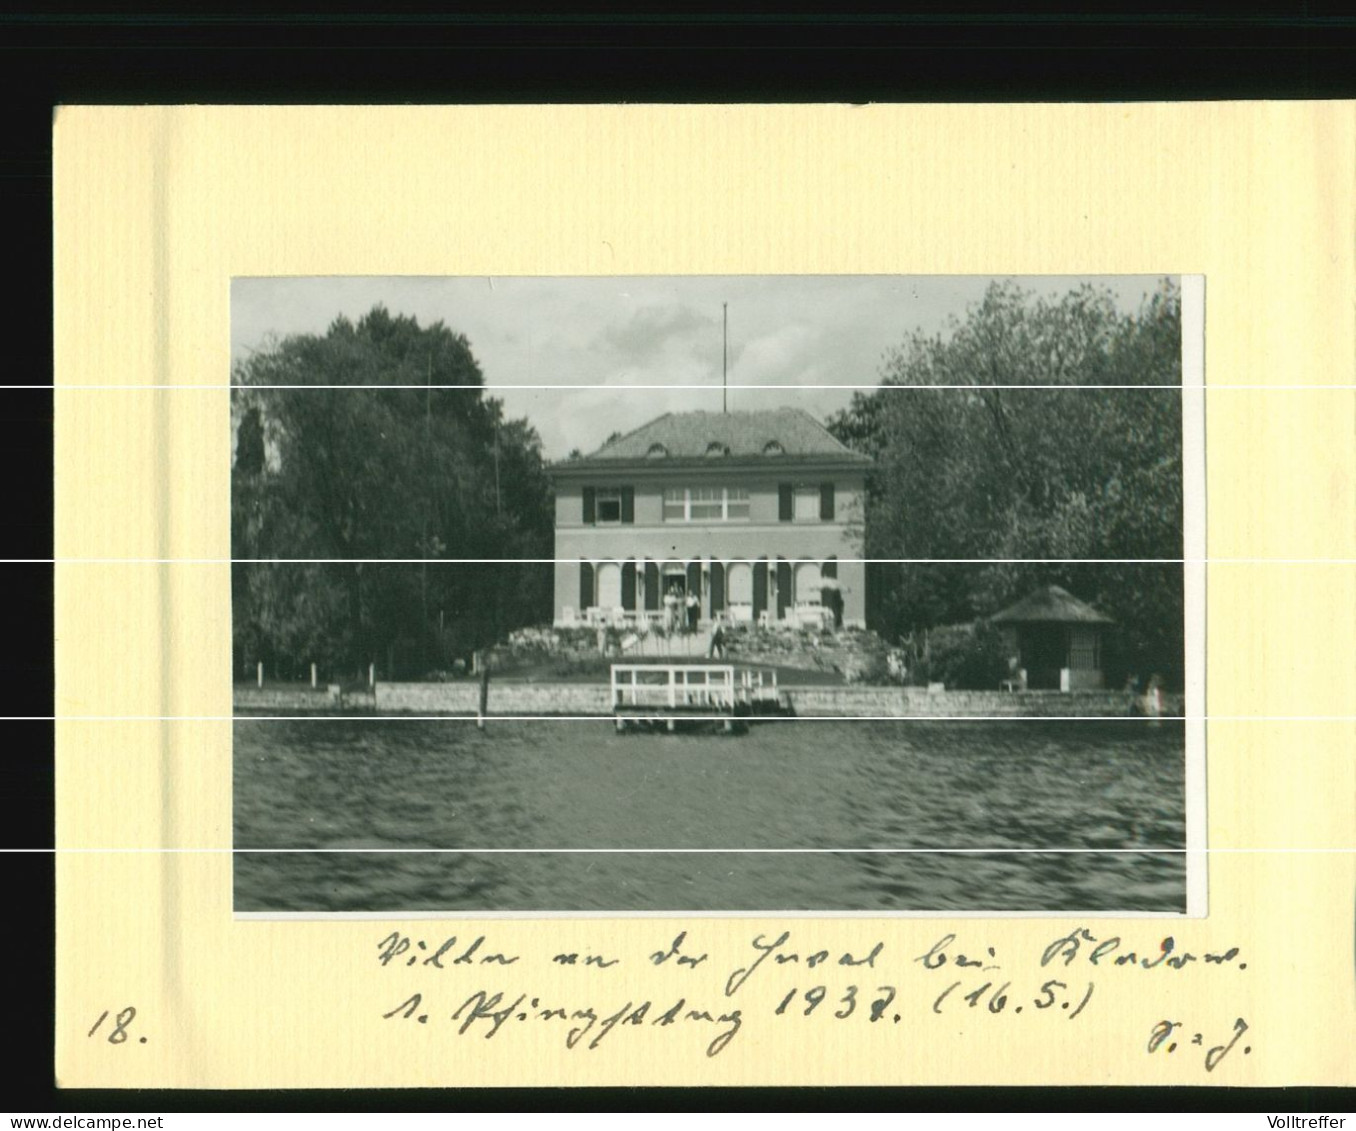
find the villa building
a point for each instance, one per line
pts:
(757, 514)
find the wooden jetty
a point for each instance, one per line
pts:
(667, 694)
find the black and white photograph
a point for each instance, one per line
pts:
(837, 595)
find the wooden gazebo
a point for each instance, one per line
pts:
(1056, 638)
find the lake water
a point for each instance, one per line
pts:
(556, 785)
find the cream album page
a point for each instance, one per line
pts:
(731, 595)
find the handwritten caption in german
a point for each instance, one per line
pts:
(865, 985)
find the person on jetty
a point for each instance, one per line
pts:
(671, 608)
(694, 612)
(716, 649)
(1153, 696)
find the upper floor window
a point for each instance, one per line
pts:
(804, 502)
(606, 506)
(706, 504)
(657, 451)
(807, 504)
(772, 448)
(716, 448)
(609, 503)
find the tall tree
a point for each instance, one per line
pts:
(377, 443)
(999, 465)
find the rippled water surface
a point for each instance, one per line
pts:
(795, 784)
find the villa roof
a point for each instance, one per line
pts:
(1050, 605)
(769, 435)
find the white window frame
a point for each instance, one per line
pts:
(708, 499)
(738, 496)
(666, 502)
(610, 494)
(808, 493)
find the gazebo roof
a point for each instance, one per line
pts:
(1050, 605)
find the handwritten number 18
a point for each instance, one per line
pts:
(119, 1033)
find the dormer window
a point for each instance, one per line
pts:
(657, 451)
(715, 448)
(773, 448)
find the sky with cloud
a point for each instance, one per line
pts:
(642, 346)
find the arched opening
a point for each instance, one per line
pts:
(808, 581)
(609, 586)
(739, 587)
(674, 575)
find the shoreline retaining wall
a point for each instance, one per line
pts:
(852, 701)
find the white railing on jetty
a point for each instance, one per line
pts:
(690, 687)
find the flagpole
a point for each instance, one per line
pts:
(724, 355)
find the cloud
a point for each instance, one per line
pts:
(788, 355)
(655, 330)
(584, 418)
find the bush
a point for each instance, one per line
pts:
(874, 670)
(967, 657)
